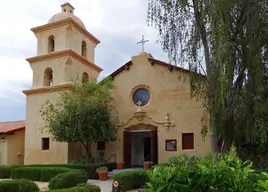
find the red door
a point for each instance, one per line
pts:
(127, 149)
(154, 147)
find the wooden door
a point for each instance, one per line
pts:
(154, 146)
(127, 149)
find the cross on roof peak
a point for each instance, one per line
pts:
(142, 42)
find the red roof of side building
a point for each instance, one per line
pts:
(9, 126)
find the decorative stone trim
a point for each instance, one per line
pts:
(141, 114)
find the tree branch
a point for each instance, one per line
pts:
(203, 35)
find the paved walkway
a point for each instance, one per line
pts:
(106, 186)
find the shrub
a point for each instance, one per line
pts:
(184, 160)
(80, 188)
(18, 186)
(226, 172)
(37, 173)
(131, 179)
(68, 180)
(5, 172)
(89, 168)
(90, 187)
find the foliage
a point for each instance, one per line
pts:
(5, 172)
(90, 169)
(83, 114)
(38, 173)
(102, 169)
(67, 180)
(184, 160)
(80, 188)
(230, 38)
(18, 186)
(90, 187)
(263, 184)
(225, 172)
(131, 179)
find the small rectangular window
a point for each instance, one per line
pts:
(101, 145)
(45, 143)
(187, 141)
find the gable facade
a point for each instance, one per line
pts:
(169, 93)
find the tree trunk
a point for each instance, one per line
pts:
(228, 135)
(213, 143)
(88, 155)
(88, 152)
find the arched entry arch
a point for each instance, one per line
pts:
(140, 143)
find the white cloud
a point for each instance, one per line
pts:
(107, 20)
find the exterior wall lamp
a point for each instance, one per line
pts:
(3, 139)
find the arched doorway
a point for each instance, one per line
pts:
(140, 143)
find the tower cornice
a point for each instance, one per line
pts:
(41, 90)
(66, 22)
(67, 52)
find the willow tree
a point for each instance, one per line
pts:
(224, 39)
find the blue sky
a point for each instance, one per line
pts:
(118, 26)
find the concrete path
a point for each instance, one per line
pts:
(106, 186)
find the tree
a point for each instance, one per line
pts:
(228, 37)
(83, 114)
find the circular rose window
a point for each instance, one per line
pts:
(141, 97)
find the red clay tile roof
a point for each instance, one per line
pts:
(9, 126)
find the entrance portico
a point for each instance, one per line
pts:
(140, 143)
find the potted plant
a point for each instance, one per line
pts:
(146, 165)
(103, 173)
(120, 165)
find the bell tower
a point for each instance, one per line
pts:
(65, 51)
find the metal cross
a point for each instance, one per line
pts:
(139, 103)
(142, 42)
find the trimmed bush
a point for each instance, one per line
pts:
(90, 187)
(80, 188)
(68, 180)
(131, 179)
(89, 168)
(5, 172)
(38, 173)
(18, 186)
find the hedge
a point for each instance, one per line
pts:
(5, 172)
(18, 186)
(80, 188)
(68, 180)
(38, 173)
(131, 179)
(89, 168)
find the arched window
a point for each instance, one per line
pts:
(48, 77)
(84, 49)
(85, 77)
(51, 44)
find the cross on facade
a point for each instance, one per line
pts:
(142, 42)
(139, 103)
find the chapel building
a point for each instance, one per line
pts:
(157, 117)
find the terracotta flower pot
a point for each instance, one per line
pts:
(120, 165)
(146, 166)
(103, 175)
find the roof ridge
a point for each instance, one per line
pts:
(17, 121)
